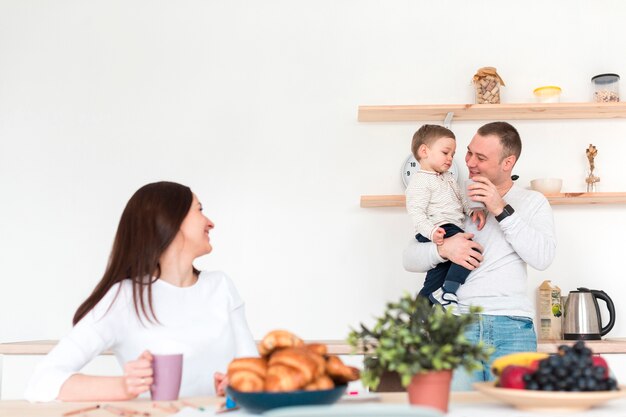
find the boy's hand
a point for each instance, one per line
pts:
(438, 236)
(479, 217)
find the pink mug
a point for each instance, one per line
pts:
(167, 372)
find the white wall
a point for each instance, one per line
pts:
(253, 104)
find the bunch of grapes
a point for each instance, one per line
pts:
(572, 369)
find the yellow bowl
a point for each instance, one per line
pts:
(548, 94)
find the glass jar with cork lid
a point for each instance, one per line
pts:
(487, 85)
(605, 88)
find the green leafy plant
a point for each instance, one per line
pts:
(413, 337)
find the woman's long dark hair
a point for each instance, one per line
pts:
(148, 225)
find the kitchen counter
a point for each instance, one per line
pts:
(336, 347)
(608, 345)
(462, 404)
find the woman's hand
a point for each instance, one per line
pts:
(221, 381)
(138, 375)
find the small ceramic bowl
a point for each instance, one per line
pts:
(547, 94)
(547, 185)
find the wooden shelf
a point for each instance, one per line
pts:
(374, 201)
(43, 347)
(335, 347)
(509, 111)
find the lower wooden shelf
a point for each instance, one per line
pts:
(335, 347)
(42, 347)
(374, 201)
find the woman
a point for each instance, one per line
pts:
(151, 299)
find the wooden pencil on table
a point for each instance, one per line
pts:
(120, 411)
(165, 408)
(113, 410)
(81, 410)
(188, 404)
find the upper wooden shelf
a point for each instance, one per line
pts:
(373, 201)
(509, 111)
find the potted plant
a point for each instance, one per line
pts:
(423, 344)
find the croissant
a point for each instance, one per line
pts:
(319, 348)
(298, 358)
(246, 381)
(323, 382)
(339, 372)
(256, 365)
(287, 364)
(278, 339)
(284, 378)
(320, 363)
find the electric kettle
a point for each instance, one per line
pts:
(581, 316)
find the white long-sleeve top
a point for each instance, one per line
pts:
(433, 199)
(499, 284)
(205, 322)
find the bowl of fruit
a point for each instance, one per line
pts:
(573, 379)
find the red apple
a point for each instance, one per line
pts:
(513, 376)
(534, 365)
(599, 361)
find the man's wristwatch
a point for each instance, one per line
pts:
(506, 212)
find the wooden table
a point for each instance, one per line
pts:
(462, 404)
(21, 408)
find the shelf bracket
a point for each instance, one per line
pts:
(448, 120)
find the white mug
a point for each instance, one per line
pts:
(473, 204)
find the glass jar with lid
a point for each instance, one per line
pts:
(605, 88)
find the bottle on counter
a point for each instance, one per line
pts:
(550, 311)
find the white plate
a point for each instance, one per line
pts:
(549, 401)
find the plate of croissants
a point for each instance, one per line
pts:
(288, 372)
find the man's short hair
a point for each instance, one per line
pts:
(509, 138)
(428, 135)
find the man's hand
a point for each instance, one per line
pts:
(485, 191)
(438, 236)
(461, 250)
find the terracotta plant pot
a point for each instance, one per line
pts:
(390, 382)
(431, 389)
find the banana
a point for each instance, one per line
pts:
(519, 358)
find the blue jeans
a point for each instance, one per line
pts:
(507, 334)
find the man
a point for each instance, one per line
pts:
(519, 231)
